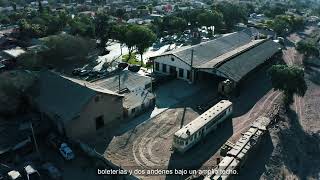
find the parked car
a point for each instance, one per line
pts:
(104, 52)
(66, 151)
(76, 71)
(14, 175)
(122, 65)
(2, 67)
(8, 63)
(31, 173)
(134, 68)
(52, 171)
(80, 72)
(54, 141)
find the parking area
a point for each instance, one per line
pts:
(81, 167)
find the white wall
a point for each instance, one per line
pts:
(177, 63)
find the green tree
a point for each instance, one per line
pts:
(29, 30)
(14, 85)
(120, 13)
(173, 24)
(83, 26)
(40, 6)
(4, 19)
(210, 19)
(66, 48)
(232, 13)
(147, 38)
(273, 11)
(289, 80)
(139, 37)
(118, 32)
(308, 48)
(102, 28)
(282, 24)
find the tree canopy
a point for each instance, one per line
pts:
(59, 51)
(82, 25)
(283, 24)
(208, 19)
(232, 13)
(308, 48)
(36, 25)
(290, 80)
(139, 37)
(102, 27)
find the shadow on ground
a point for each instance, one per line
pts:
(301, 150)
(252, 90)
(255, 165)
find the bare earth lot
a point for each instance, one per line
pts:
(148, 146)
(290, 152)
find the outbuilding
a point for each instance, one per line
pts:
(76, 110)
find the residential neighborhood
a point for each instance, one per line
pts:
(159, 89)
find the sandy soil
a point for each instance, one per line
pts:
(296, 137)
(148, 146)
(291, 152)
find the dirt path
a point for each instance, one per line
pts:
(296, 136)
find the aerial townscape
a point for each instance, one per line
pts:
(159, 89)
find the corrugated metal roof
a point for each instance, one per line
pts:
(135, 99)
(203, 119)
(207, 51)
(241, 65)
(60, 96)
(229, 55)
(128, 80)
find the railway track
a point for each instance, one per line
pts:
(259, 109)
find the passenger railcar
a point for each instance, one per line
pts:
(193, 132)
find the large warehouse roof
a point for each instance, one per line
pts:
(229, 55)
(241, 65)
(205, 52)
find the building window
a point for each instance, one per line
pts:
(164, 68)
(172, 59)
(133, 110)
(99, 122)
(157, 66)
(96, 99)
(180, 72)
(188, 74)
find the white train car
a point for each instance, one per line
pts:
(193, 132)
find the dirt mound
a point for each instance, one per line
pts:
(296, 153)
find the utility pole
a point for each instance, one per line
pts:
(151, 75)
(119, 82)
(191, 65)
(34, 139)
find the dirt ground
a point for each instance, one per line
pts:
(296, 137)
(291, 150)
(148, 146)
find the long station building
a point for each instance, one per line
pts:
(232, 56)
